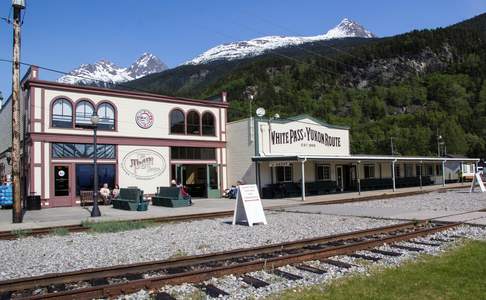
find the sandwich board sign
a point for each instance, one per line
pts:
(248, 206)
(477, 180)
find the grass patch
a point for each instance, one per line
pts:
(21, 233)
(60, 231)
(116, 226)
(457, 274)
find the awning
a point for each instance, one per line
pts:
(385, 158)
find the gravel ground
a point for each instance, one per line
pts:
(458, 200)
(36, 256)
(240, 290)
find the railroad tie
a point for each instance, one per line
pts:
(414, 249)
(56, 288)
(337, 263)
(365, 257)
(425, 243)
(311, 269)
(255, 282)
(163, 296)
(133, 276)
(386, 253)
(442, 240)
(212, 291)
(6, 296)
(98, 281)
(286, 275)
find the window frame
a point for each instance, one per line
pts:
(199, 132)
(183, 121)
(285, 179)
(70, 103)
(367, 174)
(208, 113)
(115, 115)
(87, 119)
(320, 173)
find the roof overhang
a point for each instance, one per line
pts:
(362, 158)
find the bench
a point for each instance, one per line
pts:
(130, 199)
(170, 197)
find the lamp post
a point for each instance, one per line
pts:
(95, 119)
(95, 212)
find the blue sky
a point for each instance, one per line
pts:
(64, 34)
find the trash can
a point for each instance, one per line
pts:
(33, 202)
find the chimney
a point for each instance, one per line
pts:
(223, 96)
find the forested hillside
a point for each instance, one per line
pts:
(406, 87)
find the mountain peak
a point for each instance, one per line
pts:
(349, 28)
(104, 72)
(241, 49)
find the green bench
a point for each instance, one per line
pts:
(170, 197)
(130, 199)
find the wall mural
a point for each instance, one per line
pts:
(143, 164)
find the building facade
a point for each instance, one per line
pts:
(281, 154)
(144, 140)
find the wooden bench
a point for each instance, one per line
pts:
(130, 199)
(170, 197)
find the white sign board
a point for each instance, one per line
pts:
(248, 206)
(477, 180)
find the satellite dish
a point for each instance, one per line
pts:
(260, 112)
(277, 116)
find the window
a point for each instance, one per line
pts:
(429, 170)
(438, 170)
(193, 153)
(284, 173)
(369, 171)
(409, 170)
(193, 123)
(84, 111)
(208, 124)
(62, 150)
(323, 172)
(62, 114)
(177, 122)
(106, 112)
(418, 170)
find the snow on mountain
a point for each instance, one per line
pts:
(346, 28)
(104, 73)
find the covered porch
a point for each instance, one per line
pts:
(281, 176)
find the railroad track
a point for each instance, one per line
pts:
(118, 280)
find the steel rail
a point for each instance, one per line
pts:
(205, 274)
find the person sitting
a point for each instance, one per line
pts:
(185, 194)
(173, 183)
(105, 194)
(116, 191)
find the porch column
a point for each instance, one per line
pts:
(358, 177)
(393, 174)
(420, 176)
(303, 179)
(443, 173)
(257, 173)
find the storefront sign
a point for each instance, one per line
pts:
(306, 134)
(248, 206)
(279, 164)
(143, 164)
(477, 180)
(144, 119)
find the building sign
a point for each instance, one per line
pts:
(143, 164)
(279, 164)
(144, 119)
(304, 136)
(248, 206)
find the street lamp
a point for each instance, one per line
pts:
(95, 119)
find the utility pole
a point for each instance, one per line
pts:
(17, 5)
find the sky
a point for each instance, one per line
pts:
(64, 34)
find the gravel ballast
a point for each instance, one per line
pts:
(55, 254)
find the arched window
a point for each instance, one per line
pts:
(208, 124)
(62, 114)
(193, 126)
(84, 111)
(177, 122)
(106, 112)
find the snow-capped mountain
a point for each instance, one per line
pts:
(346, 28)
(104, 73)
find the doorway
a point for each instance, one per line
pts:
(62, 181)
(201, 180)
(339, 178)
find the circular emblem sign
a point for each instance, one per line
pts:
(143, 164)
(61, 173)
(144, 119)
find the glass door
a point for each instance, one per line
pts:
(61, 187)
(213, 182)
(180, 175)
(339, 177)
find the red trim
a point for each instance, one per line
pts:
(193, 162)
(122, 140)
(73, 110)
(32, 165)
(170, 121)
(214, 123)
(43, 103)
(32, 109)
(115, 111)
(43, 164)
(121, 93)
(220, 124)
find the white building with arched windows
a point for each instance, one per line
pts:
(144, 140)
